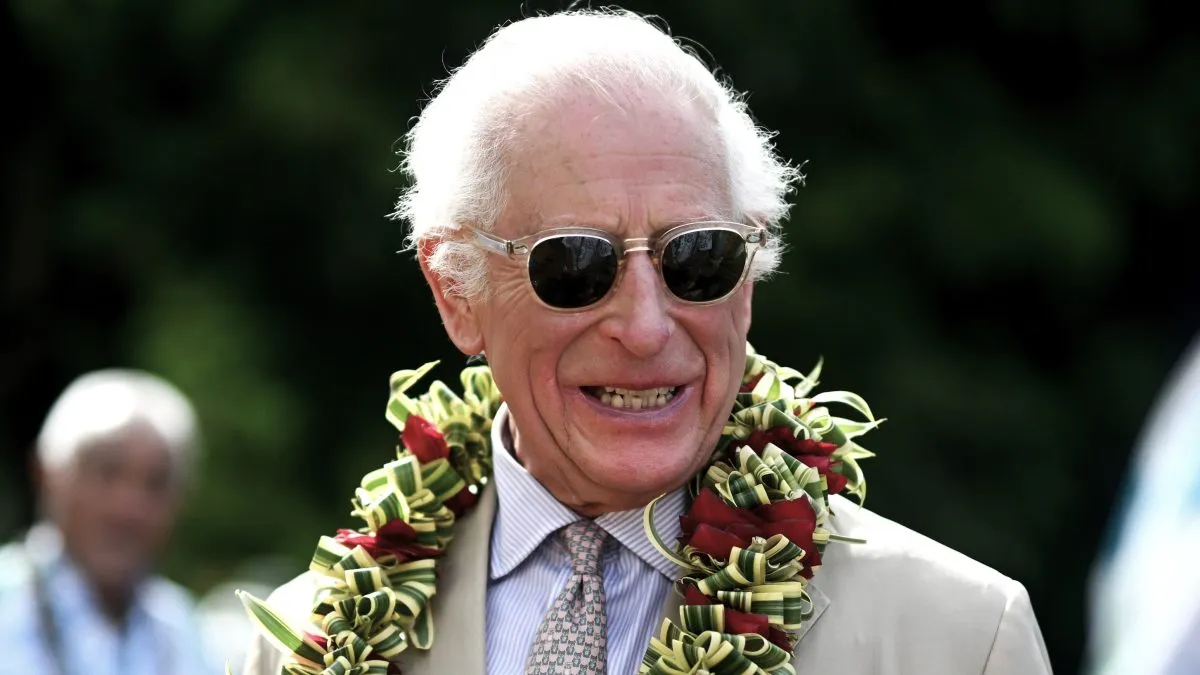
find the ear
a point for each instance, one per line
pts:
(48, 483)
(458, 316)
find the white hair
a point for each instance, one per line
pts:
(456, 156)
(104, 403)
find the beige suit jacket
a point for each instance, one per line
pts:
(899, 604)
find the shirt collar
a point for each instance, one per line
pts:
(528, 513)
(66, 583)
(627, 527)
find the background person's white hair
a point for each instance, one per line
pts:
(103, 403)
(457, 151)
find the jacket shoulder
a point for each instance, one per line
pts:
(892, 549)
(902, 602)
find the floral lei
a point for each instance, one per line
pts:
(751, 540)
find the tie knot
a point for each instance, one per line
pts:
(585, 542)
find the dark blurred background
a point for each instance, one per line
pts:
(995, 245)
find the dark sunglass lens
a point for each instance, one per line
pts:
(572, 272)
(704, 265)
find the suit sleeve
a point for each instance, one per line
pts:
(1018, 647)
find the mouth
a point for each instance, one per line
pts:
(621, 398)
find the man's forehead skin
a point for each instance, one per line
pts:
(608, 160)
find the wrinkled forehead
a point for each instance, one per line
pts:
(636, 163)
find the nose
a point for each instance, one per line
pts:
(135, 497)
(131, 504)
(639, 318)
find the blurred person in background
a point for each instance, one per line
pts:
(1146, 591)
(78, 591)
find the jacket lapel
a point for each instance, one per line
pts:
(460, 640)
(820, 603)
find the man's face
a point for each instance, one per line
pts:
(633, 171)
(115, 505)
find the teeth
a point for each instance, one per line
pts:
(665, 391)
(636, 399)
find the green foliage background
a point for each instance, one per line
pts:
(993, 246)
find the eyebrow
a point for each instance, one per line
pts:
(620, 230)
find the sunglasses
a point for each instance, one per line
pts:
(575, 268)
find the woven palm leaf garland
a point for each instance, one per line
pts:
(752, 538)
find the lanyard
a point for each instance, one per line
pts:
(45, 615)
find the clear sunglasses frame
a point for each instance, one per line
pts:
(754, 237)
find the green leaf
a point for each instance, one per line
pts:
(851, 429)
(400, 406)
(852, 450)
(847, 398)
(655, 540)
(278, 632)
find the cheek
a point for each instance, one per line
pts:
(739, 312)
(159, 525)
(84, 500)
(525, 344)
(543, 349)
(721, 336)
(533, 370)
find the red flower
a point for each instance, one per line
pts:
(396, 537)
(749, 386)
(321, 640)
(714, 527)
(423, 439)
(812, 453)
(426, 442)
(739, 623)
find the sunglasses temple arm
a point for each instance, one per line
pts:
(493, 243)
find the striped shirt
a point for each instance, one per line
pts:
(529, 568)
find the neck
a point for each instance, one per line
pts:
(113, 593)
(114, 604)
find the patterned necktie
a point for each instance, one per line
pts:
(573, 637)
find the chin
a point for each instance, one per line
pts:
(641, 472)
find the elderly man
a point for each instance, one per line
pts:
(591, 209)
(77, 592)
